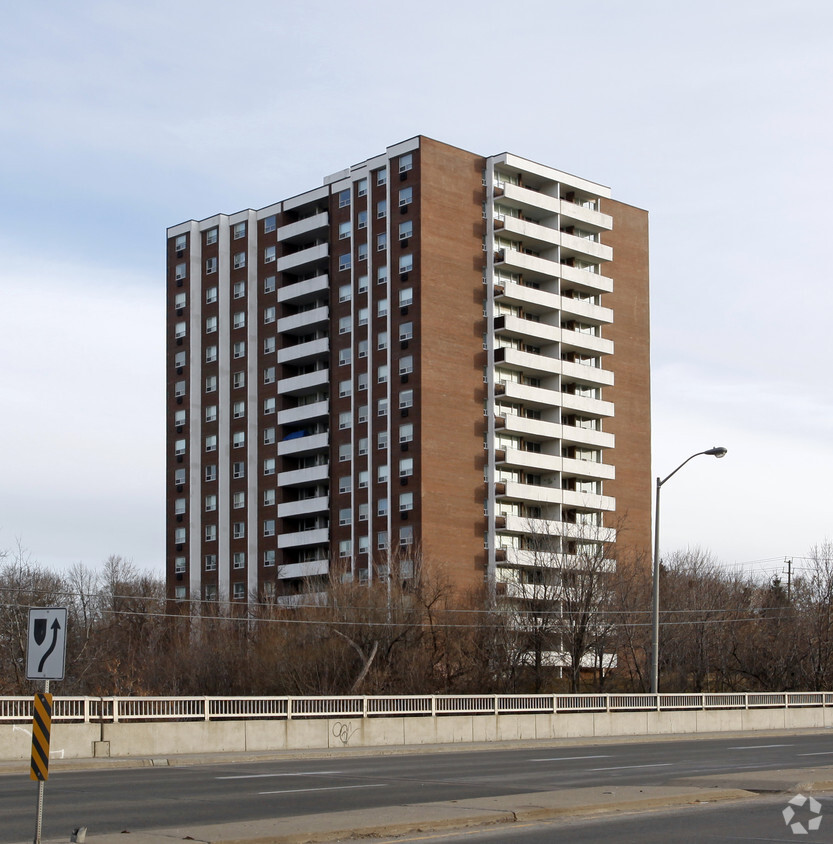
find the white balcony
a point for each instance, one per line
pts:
(309, 288)
(573, 212)
(304, 227)
(305, 321)
(303, 445)
(588, 469)
(527, 558)
(586, 374)
(531, 460)
(586, 406)
(533, 234)
(585, 311)
(585, 280)
(536, 429)
(317, 536)
(305, 413)
(527, 362)
(551, 527)
(300, 384)
(573, 435)
(315, 568)
(304, 477)
(304, 507)
(588, 500)
(529, 297)
(319, 252)
(532, 396)
(552, 495)
(515, 261)
(304, 351)
(579, 341)
(582, 246)
(540, 332)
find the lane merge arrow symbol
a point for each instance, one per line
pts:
(45, 654)
(56, 627)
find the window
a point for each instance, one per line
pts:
(344, 388)
(211, 384)
(269, 466)
(381, 242)
(211, 443)
(210, 266)
(269, 497)
(344, 198)
(362, 219)
(210, 503)
(364, 544)
(382, 176)
(210, 295)
(239, 409)
(344, 230)
(362, 378)
(344, 420)
(211, 473)
(345, 293)
(382, 439)
(238, 469)
(362, 414)
(344, 261)
(179, 360)
(381, 209)
(345, 516)
(269, 345)
(179, 301)
(344, 357)
(179, 593)
(239, 379)
(344, 483)
(239, 289)
(345, 451)
(270, 223)
(240, 319)
(406, 432)
(406, 229)
(268, 436)
(239, 230)
(363, 283)
(179, 330)
(179, 477)
(269, 405)
(344, 325)
(179, 447)
(406, 331)
(406, 467)
(211, 237)
(345, 548)
(361, 187)
(382, 407)
(239, 559)
(239, 500)
(382, 507)
(180, 272)
(406, 501)
(180, 243)
(269, 254)
(179, 536)
(210, 533)
(269, 375)
(210, 354)
(382, 340)
(363, 509)
(179, 507)
(382, 474)
(269, 285)
(364, 477)
(362, 251)
(382, 373)
(406, 162)
(382, 275)
(406, 364)
(382, 307)
(239, 260)
(239, 530)
(382, 540)
(239, 592)
(210, 562)
(362, 446)
(406, 535)
(406, 263)
(362, 348)
(406, 297)
(406, 197)
(239, 349)
(268, 527)
(179, 418)
(269, 315)
(210, 324)
(269, 557)
(363, 316)
(238, 439)
(406, 398)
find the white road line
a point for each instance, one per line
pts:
(569, 758)
(331, 788)
(819, 753)
(758, 746)
(622, 767)
(294, 774)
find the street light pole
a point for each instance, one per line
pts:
(717, 451)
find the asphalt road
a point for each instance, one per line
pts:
(136, 799)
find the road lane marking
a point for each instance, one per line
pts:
(568, 758)
(759, 746)
(819, 753)
(622, 767)
(294, 774)
(326, 788)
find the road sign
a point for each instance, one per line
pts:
(41, 728)
(46, 650)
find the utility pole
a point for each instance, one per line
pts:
(789, 577)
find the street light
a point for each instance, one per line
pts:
(717, 451)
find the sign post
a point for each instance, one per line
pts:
(45, 660)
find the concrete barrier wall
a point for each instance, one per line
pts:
(161, 739)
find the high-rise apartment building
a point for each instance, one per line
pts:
(428, 360)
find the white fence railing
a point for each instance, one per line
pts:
(118, 709)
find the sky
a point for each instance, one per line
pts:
(118, 120)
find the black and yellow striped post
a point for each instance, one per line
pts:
(41, 728)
